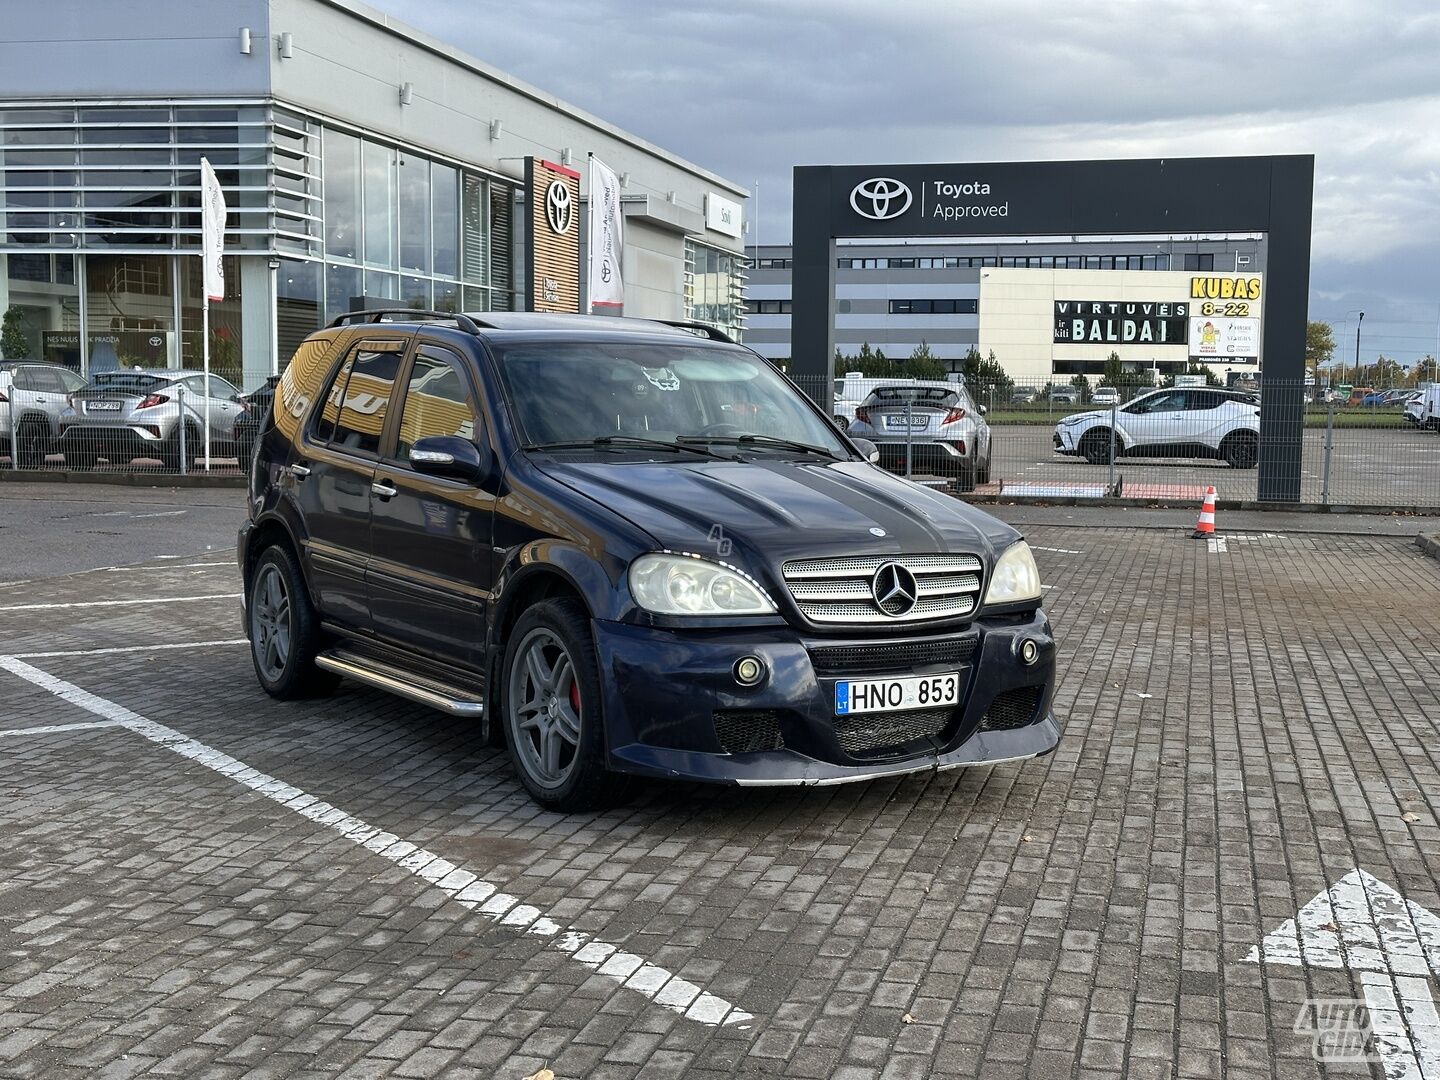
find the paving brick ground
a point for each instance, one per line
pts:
(1242, 728)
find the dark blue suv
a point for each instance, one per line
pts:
(628, 548)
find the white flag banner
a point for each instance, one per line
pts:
(605, 239)
(212, 231)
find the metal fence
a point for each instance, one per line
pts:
(1003, 437)
(170, 428)
(1061, 440)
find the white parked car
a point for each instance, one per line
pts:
(1185, 422)
(1106, 396)
(937, 424)
(1423, 409)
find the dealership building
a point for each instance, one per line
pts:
(1049, 308)
(363, 162)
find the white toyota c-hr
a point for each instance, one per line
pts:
(1199, 422)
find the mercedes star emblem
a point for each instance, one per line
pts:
(557, 206)
(880, 198)
(895, 589)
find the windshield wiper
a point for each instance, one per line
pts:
(638, 441)
(762, 440)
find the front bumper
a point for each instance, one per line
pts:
(668, 692)
(1066, 441)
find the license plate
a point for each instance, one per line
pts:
(854, 696)
(103, 406)
(899, 421)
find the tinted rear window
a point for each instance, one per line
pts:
(126, 381)
(938, 397)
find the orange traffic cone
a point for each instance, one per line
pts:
(1205, 527)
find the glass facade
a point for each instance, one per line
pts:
(101, 233)
(102, 226)
(715, 288)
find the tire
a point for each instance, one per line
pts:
(551, 704)
(170, 451)
(80, 460)
(31, 443)
(1095, 447)
(284, 630)
(983, 476)
(1240, 450)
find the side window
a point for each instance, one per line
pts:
(46, 381)
(24, 379)
(334, 395)
(368, 386)
(437, 402)
(70, 381)
(1202, 400)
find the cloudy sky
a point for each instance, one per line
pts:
(749, 88)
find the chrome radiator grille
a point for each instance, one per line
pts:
(843, 589)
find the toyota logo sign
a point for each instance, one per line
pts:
(880, 198)
(558, 206)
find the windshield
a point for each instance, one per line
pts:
(580, 392)
(126, 380)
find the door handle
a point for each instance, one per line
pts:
(299, 471)
(383, 490)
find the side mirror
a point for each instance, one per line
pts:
(868, 449)
(449, 456)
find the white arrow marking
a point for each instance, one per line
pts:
(1363, 924)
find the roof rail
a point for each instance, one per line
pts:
(698, 327)
(375, 315)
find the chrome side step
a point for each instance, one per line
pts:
(383, 677)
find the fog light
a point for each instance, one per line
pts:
(1029, 651)
(749, 670)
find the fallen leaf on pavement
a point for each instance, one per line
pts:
(543, 1074)
(907, 1019)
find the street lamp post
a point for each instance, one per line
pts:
(1358, 323)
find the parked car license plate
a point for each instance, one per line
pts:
(896, 695)
(103, 406)
(899, 421)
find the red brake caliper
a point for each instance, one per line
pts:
(575, 697)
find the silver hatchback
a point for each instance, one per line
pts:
(937, 424)
(137, 413)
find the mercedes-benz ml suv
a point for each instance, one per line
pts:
(624, 548)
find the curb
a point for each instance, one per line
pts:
(1188, 504)
(155, 480)
(1429, 543)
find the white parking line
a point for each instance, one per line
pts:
(1216, 544)
(50, 729)
(1057, 551)
(633, 972)
(167, 566)
(130, 649)
(122, 603)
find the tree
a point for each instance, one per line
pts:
(1082, 384)
(1113, 373)
(923, 364)
(13, 342)
(1319, 345)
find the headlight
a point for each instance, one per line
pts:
(1068, 420)
(1016, 578)
(689, 585)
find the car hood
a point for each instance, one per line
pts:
(760, 513)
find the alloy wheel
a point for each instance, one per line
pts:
(544, 707)
(270, 623)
